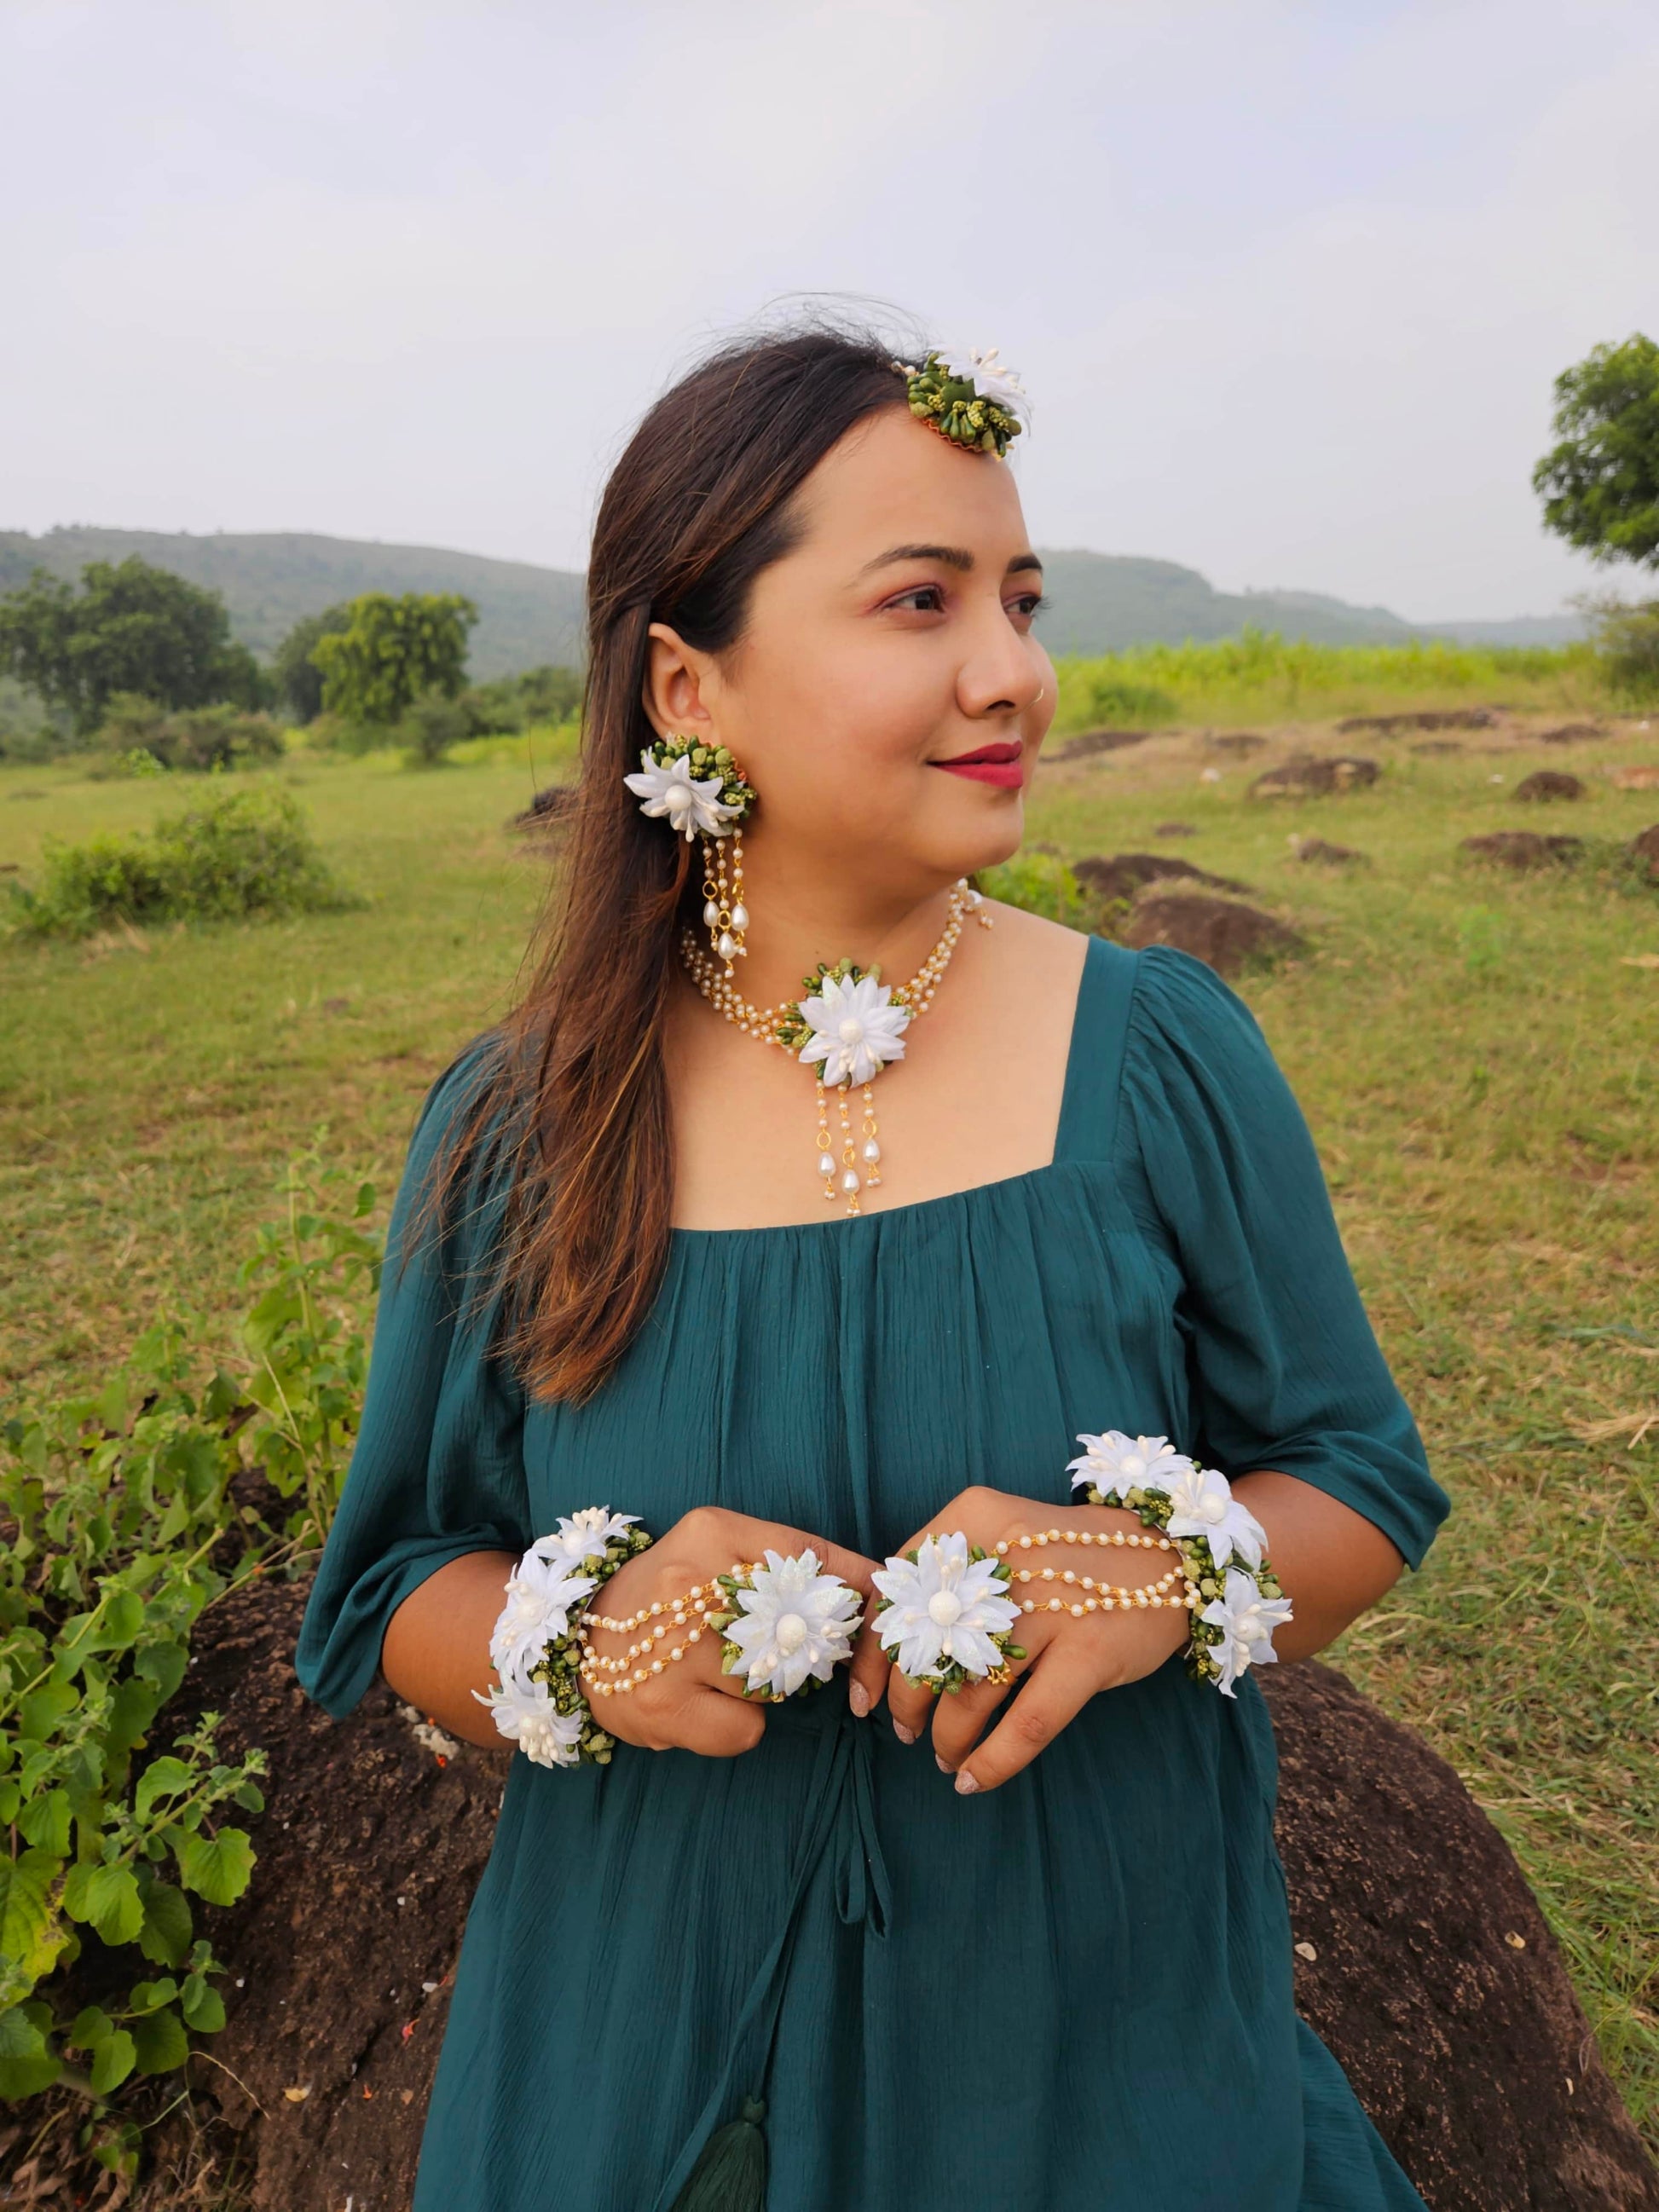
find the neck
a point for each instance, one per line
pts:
(797, 919)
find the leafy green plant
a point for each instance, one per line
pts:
(1041, 883)
(197, 740)
(126, 1514)
(238, 853)
(1118, 701)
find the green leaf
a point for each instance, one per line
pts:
(88, 2028)
(38, 1714)
(160, 2043)
(133, 1706)
(216, 1867)
(28, 1930)
(205, 2011)
(124, 1618)
(106, 1897)
(164, 1938)
(113, 2061)
(26, 2065)
(250, 1797)
(19, 2036)
(150, 1997)
(162, 1665)
(45, 1820)
(162, 1777)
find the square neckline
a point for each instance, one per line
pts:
(1078, 1079)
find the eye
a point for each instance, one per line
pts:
(934, 592)
(1030, 605)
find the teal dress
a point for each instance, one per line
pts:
(1069, 1993)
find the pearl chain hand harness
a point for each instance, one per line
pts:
(869, 1030)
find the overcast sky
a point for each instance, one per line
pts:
(1288, 283)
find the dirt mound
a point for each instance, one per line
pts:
(1322, 854)
(1439, 745)
(1643, 775)
(1121, 875)
(1571, 734)
(1432, 1976)
(1435, 1977)
(1176, 829)
(1223, 933)
(553, 804)
(1523, 849)
(1446, 718)
(1311, 775)
(1090, 742)
(1547, 784)
(1645, 846)
(1239, 741)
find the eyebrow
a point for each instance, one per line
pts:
(953, 556)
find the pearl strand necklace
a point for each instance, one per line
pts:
(718, 985)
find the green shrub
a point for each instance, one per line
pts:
(1116, 701)
(238, 853)
(1041, 883)
(197, 739)
(1628, 648)
(122, 1528)
(509, 704)
(432, 725)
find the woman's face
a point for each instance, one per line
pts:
(890, 646)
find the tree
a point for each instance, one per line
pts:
(1599, 484)
(129, 628)
(298, 679)
(393, 653)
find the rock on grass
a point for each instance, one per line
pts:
(1121, 875)
(1313, 775)
(1523, 849)
(1645, 846)
(1321, 853)
(1223, 933)
(1548, 784)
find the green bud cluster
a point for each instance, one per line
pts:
(950, 405)
(1154, 1508)
(707, 761)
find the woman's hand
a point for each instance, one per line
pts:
(1066, 1660)
(691, 1706)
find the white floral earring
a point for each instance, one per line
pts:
(700, 791)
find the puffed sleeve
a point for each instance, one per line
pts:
(437, 1469)
(1217, 1163)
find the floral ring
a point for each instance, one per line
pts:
(945, 1616)
(788, 1624)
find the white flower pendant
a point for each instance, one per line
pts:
(790, 1624)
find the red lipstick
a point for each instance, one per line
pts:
(1002, 765)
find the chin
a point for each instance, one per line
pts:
(994, 835)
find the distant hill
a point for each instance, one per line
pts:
(528, 616)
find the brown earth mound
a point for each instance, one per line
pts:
(1089, 742)
(1176, 829)
(1311, 775)
(552, 805)
(1121, 875)
(1645, 846)
(1449, 717)
(1549, 783)
(1322, 854)
(1432, 1976)
(1523, 849)
(1571, 734)
(1225, 935)
(1439, 745)
(1239, 741)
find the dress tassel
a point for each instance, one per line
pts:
(730, 2176)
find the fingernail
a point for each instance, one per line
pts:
(859, 1698)
(966, 1784)
(903, 1734)
(941, 1764)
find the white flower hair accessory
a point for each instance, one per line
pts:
(945, 1614)
(991, 379)
(855, 1028)
(1115, 1463)
(1221, 1545)
(791, 1623)
(671, 787)
(1245, 1621)
(969, 397)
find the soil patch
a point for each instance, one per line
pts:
(552, 805)
(1239, 741)
(1089, 742)
(1223, 933)
(1445, 718)
(1176, 829)
(1643, 775)
(1313, 775)
(1439, 745)
(1523, 849)
(1121, 875)
(1321, 853)
(1645, 846)
(1422, 1958)
(1571, 734)
(1547, 784)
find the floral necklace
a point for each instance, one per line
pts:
(849, 1025)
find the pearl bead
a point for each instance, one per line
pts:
(826, 1163)
(850, 1181)
(871, 1150)
(727, 947)
(740, 916)
(711, 914)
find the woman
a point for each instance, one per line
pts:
(1048, 1967)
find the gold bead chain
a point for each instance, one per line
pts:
(1105, 1597)
(690, 1612)
(840, 1169)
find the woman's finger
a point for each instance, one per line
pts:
(960, 1721)
(717, 1726)
(1053, 1693)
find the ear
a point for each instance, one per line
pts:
(678, 682)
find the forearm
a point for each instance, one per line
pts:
(1333, 1563)
(437, 1652)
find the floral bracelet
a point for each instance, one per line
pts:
(1221, 1545)
(944, 1614)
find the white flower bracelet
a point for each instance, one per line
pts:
(1221, 1545)
(788, 1623)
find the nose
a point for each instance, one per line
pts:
(1004, 671)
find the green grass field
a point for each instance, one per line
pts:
(1476, 1052)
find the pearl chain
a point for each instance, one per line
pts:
(1106, 1598)
(702, 1600)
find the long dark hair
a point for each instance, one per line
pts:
(573, 1110)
